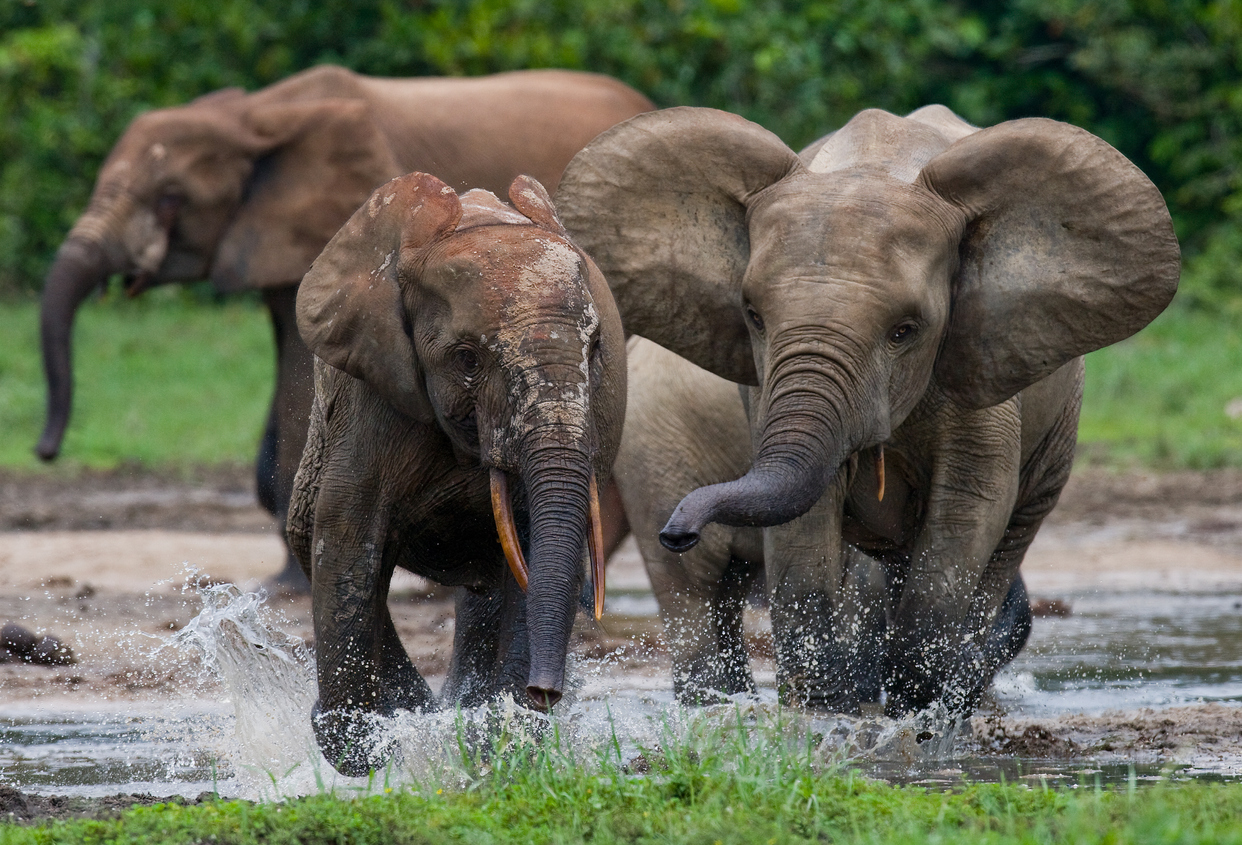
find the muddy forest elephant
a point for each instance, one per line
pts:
(908, 302)
(470, 382)
(245, 190)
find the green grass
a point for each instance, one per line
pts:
(170, 382)
(1159, 399)
(720, 787)
(164, 381)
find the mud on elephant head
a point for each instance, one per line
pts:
(898, 261)
(465, 347)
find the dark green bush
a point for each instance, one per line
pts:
(1158, 78)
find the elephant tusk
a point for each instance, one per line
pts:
(879, 474)
(502, 512)
(595, 545)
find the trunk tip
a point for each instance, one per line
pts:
(679, 541)
(543, 699)
(48, 447)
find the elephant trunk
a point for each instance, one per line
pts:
(800, 450)
(79, 268)
(557, 479)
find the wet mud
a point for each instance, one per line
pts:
(114, 564)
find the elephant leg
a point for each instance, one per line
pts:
(1012, 628)
(1000, 611)
(934, 649)
(401, 684)
(512, 666)
(701, 595)
(805, 571)
(861, 620)
(361, 666)
(284, 437)
(491, 647)
(476, 643)
(733, 661)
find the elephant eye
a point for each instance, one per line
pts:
(902, 332)
(467, 361)
(755, 319)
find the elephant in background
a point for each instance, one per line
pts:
(909, 302)
(246, 189)
(687, 428)
(470, 381)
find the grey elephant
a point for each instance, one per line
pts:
(470, 392)
(245, 190)
(687, 428)
(909, 301)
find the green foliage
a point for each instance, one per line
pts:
(163, 380)
(1157, 78)
(1170, 397)
(713, 790)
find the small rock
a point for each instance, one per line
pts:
(17, 639)
(1051, 607)
(50, 651)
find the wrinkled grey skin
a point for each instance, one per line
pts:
(245, 190)
(686, 428)
(915, 283)
(452, 337)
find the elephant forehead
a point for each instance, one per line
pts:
(868, 224)
(510, 268)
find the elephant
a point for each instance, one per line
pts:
(687, 428)
(246, 189)
(907, 303)
(469, 383)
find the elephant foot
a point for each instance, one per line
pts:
(959, 677)
(353, 741)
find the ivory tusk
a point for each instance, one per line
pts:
(502, 512)
(595, 545)
(879, 473)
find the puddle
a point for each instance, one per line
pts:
(1127, 650)
(1115, 651)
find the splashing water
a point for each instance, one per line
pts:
(270, 682)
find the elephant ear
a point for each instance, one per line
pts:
(659, 202)
(350, 308)
(531, 198)
(316, 162)
(1067, 248)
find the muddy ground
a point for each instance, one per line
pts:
(99, 559)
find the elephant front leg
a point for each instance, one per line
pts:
(816, 653)
(936, 651)
(491, 646)
(701, 595)
(363, 670)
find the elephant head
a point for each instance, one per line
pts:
(487, 323)
(229, 187)
(904, 255)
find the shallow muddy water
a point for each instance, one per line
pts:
(245, 732)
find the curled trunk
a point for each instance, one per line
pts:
(802, 447)
(80, 267)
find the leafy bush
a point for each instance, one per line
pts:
(1157, 78)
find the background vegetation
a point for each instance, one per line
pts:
(1160, 79)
